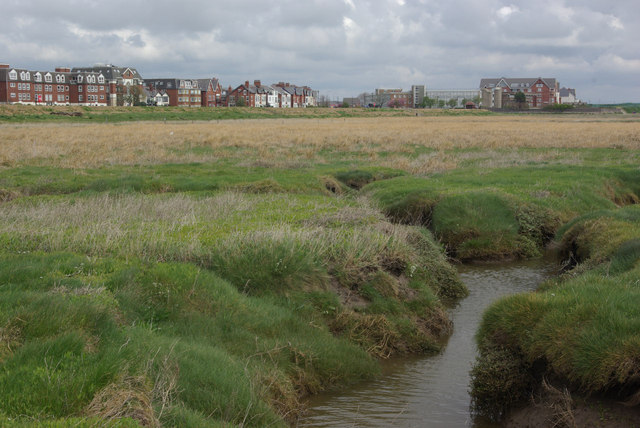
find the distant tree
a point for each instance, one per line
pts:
(428, 102)
(441, 103)
(452, 102)
(241, 102)
(345, 104)
(476, 100)
(397, 103)
(464, 102)
(521, 99)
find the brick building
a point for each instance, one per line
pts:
(181, 92)
(123, 85)
(59, 87)
(539, 92)
(210, 92)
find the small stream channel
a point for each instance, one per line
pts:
(431, 391)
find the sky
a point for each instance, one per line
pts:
(340, 47)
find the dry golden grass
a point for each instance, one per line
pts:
(388, 141)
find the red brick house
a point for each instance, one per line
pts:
(210, 92)
(248, 92)
(89, 88)
(181, 92)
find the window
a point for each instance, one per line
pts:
(102, 88)
(13, 75)
(28, 86)
(102, 97)
(79, 79)
(13, 95)
(13, 85)
(19, 86)
(80, 98)
(38, 77)
(66, 88)
(47, 77)
(101, 79)
(80, 89)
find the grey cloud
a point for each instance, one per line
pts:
(446, 44)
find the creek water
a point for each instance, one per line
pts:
(431, 391)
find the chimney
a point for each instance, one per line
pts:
(246, 83)
(257, 83)
(63, 70)
(4, 65)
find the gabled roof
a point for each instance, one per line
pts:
(163, 84)
(565, 92)
(281, 90)
(516, 83)
(203, 84)
(109, 71)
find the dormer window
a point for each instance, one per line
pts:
(38, 77)
(25, 75)
(47, 77)
(80, 79)
(101, 79)
(13, 75)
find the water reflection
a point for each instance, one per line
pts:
(431, 391)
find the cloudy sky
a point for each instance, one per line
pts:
(341, 47)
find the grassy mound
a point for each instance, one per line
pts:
(157, 309)
(581, 328)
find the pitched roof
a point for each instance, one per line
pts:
(565, 92)
(516, 83)
(109, 71)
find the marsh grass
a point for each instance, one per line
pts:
(214, 273)
(245, 318)
(582, 327)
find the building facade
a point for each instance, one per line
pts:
(539, 92)
(110, 85)
(123, 85)
(181, 92)
(461, 96)
(59, 87)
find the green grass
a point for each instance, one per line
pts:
(503, 212)
(22, 114)
(582, 327)
(243, 321)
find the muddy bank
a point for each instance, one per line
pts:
(556, 407)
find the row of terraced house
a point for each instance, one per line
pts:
(110, 85)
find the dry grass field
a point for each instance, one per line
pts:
(391, 142)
